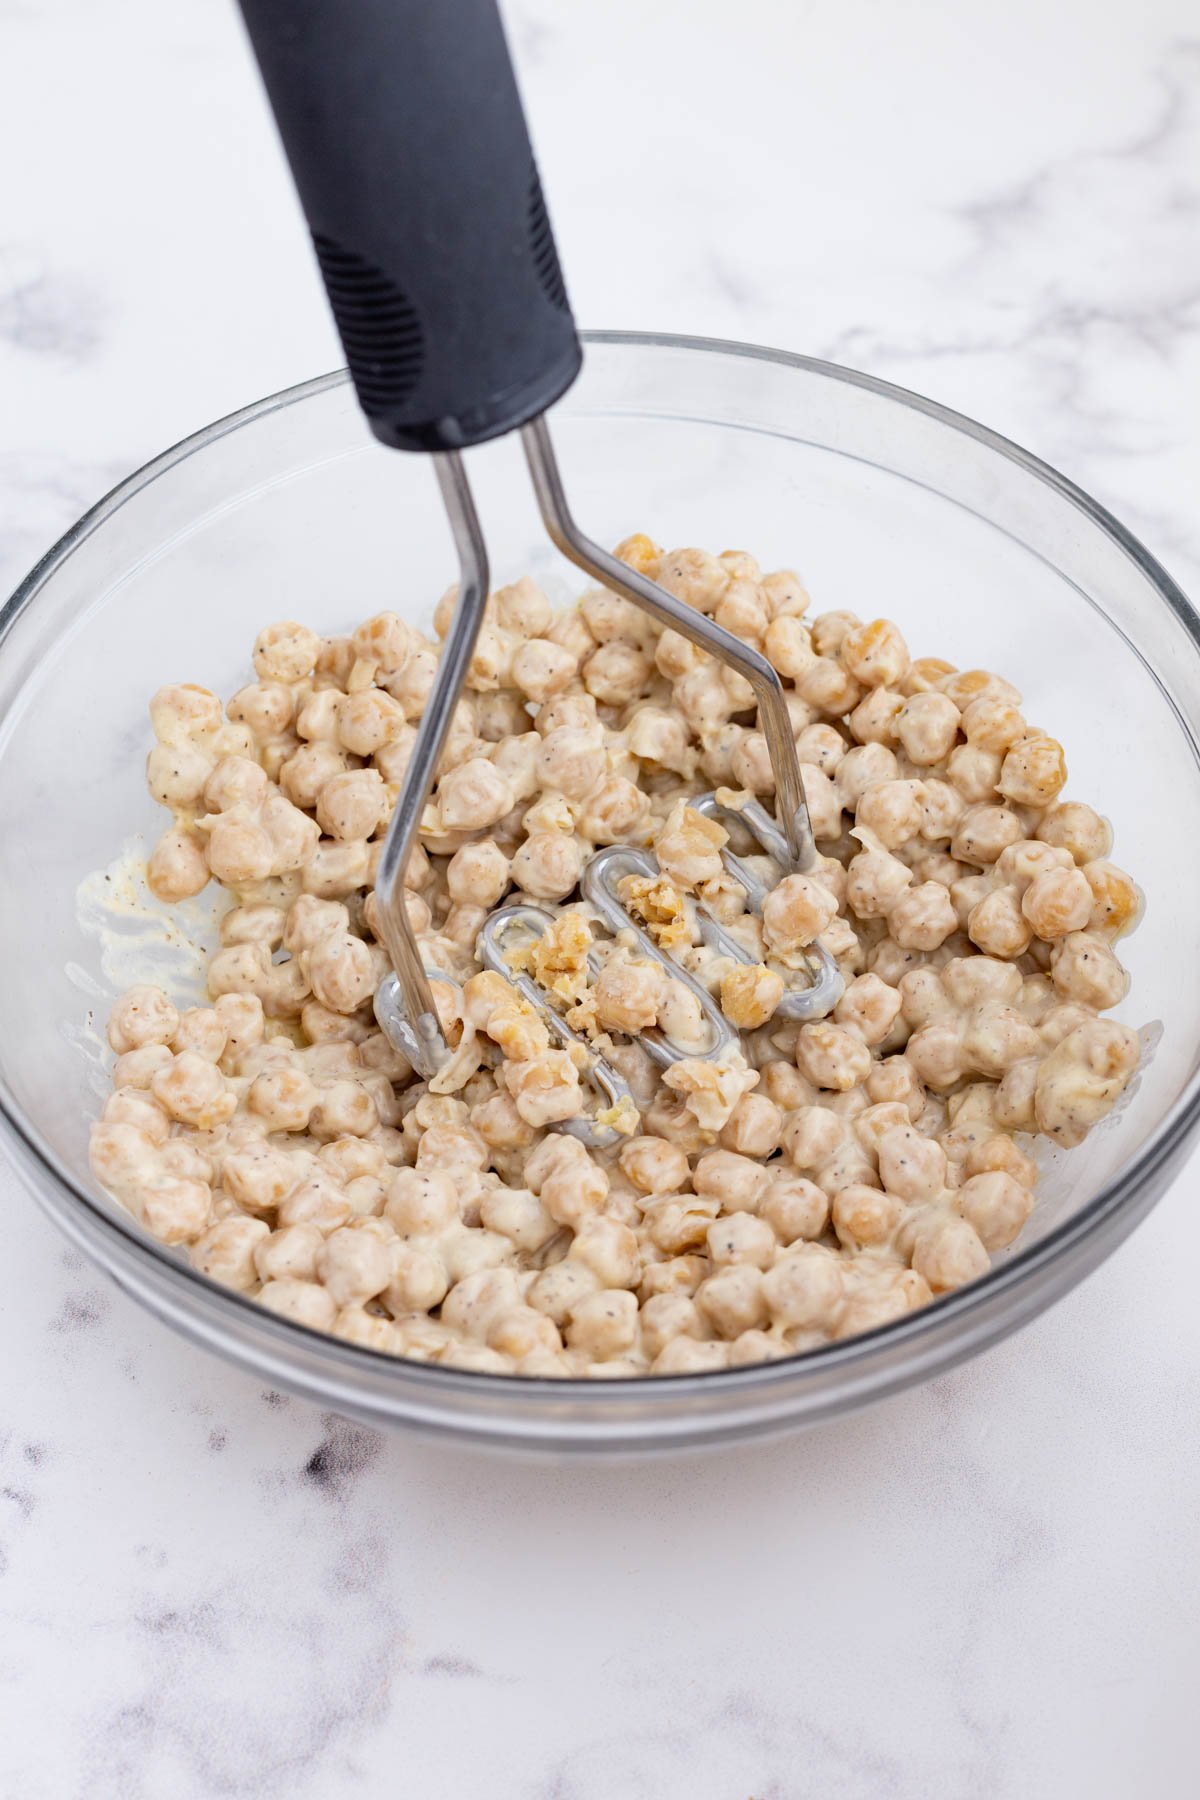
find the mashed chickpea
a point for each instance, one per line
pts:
(821, 1180)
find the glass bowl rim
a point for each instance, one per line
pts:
(1011, 1277)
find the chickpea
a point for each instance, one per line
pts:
(1084, 969)
(193, 1091)
(975, 773)
(923, 917)
(1081, 1080)
(874, 883)
(737, 1183)
(665, 1318)
(629, 994)
(610, 1250)
(996, 1206)
(1034, 771)
(288, 1254)
(943, 808)
(1058, 903)
(689, 851)
(869, 1008)
(949, 1254)
(992, 723)
(1116, 900)
(547, 865)
(750, 995)
(864, 1217)
(787, 644)
(998, 925)
(927, 726)
(796, 912)
(541, 668)
(384, 641)
(753, 1128)
(832, 1057)
(862, 767)
(616, 673)
(369, 721)
(604, 1325)
(613, 811)
(805, 1289)
(732, 1300)
(694, 576)
(304, 1302)
(936, 1054)
(286, 652)
(686, 1356)
(1071, 826)
(144, 1015)
(351, 806)
(653, 1165)
(304, 774)
(828, 687)
(983, 833)
(911, 1165)
(794, 1207)
(893, 811)
(875, 654)
(873, 721)
(178, 866)
(926, 673)
(995, 1037)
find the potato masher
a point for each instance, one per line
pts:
(405, 134)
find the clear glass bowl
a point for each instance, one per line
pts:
(885, 502)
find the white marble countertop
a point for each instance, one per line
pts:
(986, 1588)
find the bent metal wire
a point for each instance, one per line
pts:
(404, 1004)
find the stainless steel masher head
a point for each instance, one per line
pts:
(405, 134)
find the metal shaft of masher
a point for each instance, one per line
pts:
(432, 732)
(791, 806)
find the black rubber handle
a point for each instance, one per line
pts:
(405, 134)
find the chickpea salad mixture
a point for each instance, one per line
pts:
(820, 1180)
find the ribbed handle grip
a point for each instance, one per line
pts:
(405, 134)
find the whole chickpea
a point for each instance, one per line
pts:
(1057, 903)
(805, 1289)
(1034, 772)
(873, 720)
(927, 726)
(832, 1057)
(949, 1253)
(753, 1128)
(737, 1183)
(864, 1217)
(1116, 900)
(653, 1165)
(547, 865)
(983, 832)
(923, 917)
(875, 654)
(1070, 825)
(996, 1206)
(868, 1007)
(794, 1207)
(998, 926)
(286, 652)
(796, 912)
(1084, 969)
(911, 1165)
(143, 1015)
(178, 865)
